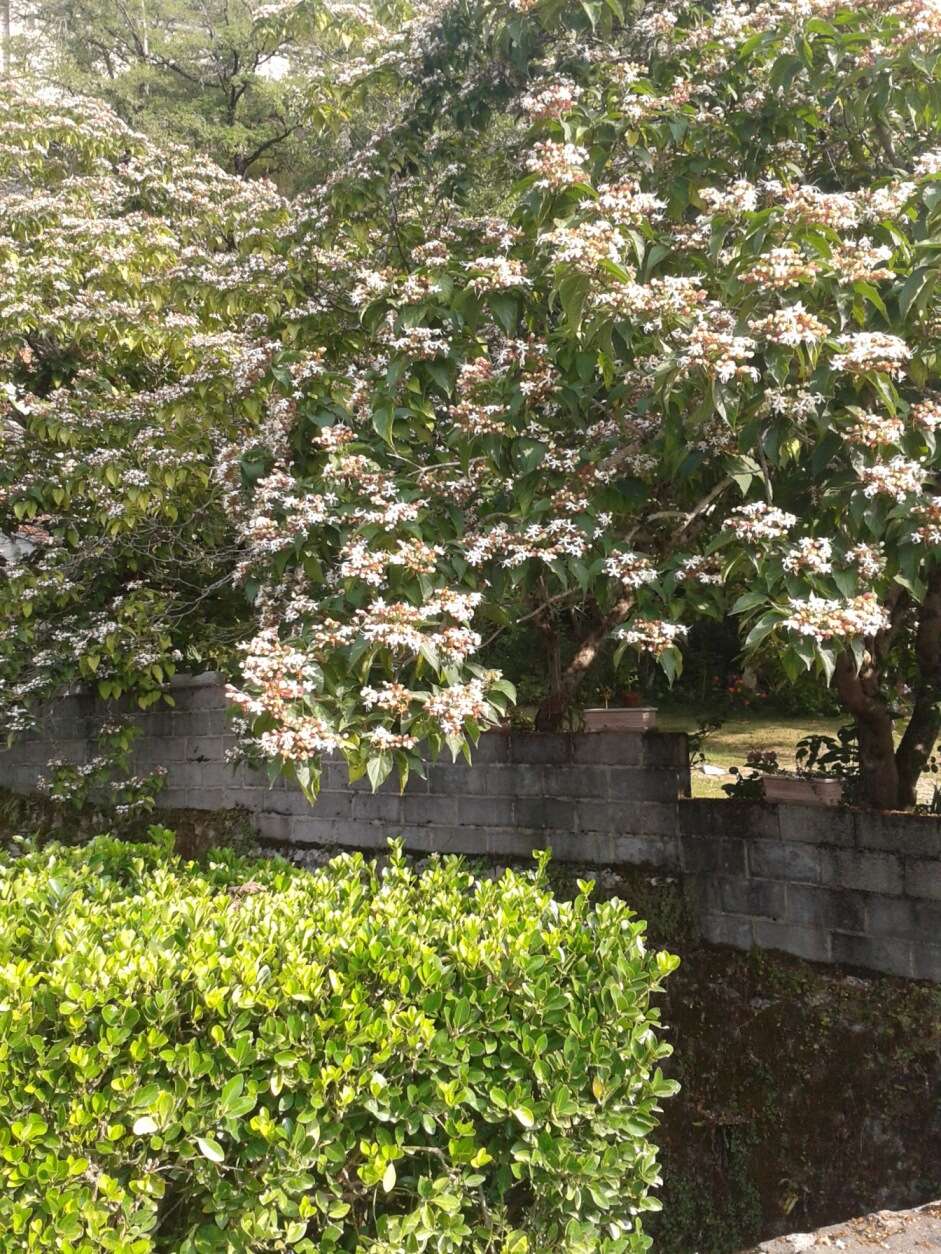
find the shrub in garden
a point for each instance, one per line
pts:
(250, 1057)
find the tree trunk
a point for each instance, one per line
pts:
(551, 714)
(861, 693)
(924, 726)
(553, 645)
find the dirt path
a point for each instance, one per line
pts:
(905, 1232)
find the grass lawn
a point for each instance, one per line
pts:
(742, 732)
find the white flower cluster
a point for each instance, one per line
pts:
(873, 430)
(557, 165)
(824, 619)
(927, 515)
(871, 350)
(633, 570)
(758, 521)
(586, 245)
(495, 274)
(898, 478)
(868, 560)
(927, 415)
(652, 635)
(812, 555)
(625, 204)
(453, 705)
(700, 569)
(551, 101)
(733, 201)
(793, 325)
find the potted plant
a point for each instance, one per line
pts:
(823, 771)
(628, 715)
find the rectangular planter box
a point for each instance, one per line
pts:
(638, 719)
(806, 791)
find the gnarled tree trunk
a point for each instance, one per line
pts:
(924, 726)
(551, 714)
(890, 774)
(860, 691)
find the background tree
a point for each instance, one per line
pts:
(229, 78)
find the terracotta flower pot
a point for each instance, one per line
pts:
(803, 789)
(636, 719)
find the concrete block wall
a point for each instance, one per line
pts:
(836, 885)
(825, 883)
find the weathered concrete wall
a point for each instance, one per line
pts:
(834, 885)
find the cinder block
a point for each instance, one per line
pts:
(516, 780)
(727, 929)
(201, 775)
(658, 851)
(204, 749)
(210, 697)
(329, 805)
(805, 942)
(817, 825)
(595, 816)
(385, 808)
(645, 785)
(608, 749)
(923, 878)
(912, 834)
(665, 749)
(457, 779)
(910, 918)
(469, 841)
(645, 818)
(708, 816)
(870, 872)
(708, 854)
(247, 776)
(593, 848)
(419, 839)
(275, 827)
(544, 812)
(873, 953)
(493, 746)
(209, 723)
(306, 829)
(485, 811)
(578, 781)
(535, 748)
(334, 776)
(421, 810)
(766, 898)
(927, 962)
(204, 798)
(204, 679)
(771, 859)
(828, 909)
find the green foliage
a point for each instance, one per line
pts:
(251, 1057)
(218, 76)
(678, 371)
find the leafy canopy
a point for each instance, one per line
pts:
(633, 314)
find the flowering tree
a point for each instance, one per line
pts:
(681, 366)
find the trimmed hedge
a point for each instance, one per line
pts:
(250, 1057)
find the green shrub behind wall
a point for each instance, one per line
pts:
(250, 1057)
